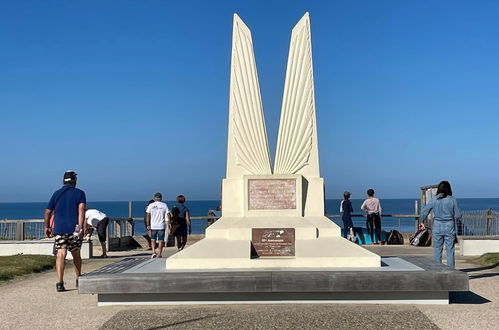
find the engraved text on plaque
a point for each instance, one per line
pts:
(271, 194)
(273, 242)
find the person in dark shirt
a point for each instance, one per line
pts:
(346, 209)
(67, 206)
(183, 219)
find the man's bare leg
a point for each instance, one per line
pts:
(60, 262)
(153, 246)
(160, 248)
(77, 262)
(104, 251)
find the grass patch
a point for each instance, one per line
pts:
(488, 259)
(12, 266)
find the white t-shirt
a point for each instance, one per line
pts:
(159, 217)
(92, 217)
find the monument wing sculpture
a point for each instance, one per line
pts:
(297, 127)
(247, 133)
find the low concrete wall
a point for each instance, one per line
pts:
(476, 246)
(122, 243)
(43, 247)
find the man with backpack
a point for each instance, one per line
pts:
(67, 207)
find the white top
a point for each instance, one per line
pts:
(371, 205)
(92, 217)
(159, 217)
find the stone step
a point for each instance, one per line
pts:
(332, 252)
(234, 228)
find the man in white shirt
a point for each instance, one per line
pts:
(96, 220)
(157, 218)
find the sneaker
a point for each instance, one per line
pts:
(154, 255)
(103, 256)
(60, 287)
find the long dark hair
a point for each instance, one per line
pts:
(444, 189)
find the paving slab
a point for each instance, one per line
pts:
(32, 303)
(272, 317)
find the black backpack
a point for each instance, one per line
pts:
(175, 212)
(395, 238)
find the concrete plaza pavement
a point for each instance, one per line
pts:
(31, 302)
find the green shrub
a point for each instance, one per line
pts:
(12, 266)
(488, 259)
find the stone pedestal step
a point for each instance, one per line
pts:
(235, 228)
(232, 254)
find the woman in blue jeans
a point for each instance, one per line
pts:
(446, 213)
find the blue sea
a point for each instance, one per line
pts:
(200, 208)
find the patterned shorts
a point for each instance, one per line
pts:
(68, 241)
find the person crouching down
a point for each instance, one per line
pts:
(96, 220)
(157, 218)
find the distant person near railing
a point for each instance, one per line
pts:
(214, 213)
(148, 238)
(67, 205)
(346, 210)
(157, 215)
(446, 213)
(181, 218)
(372, 207)
(96, 220)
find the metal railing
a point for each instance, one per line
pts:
(479, 223)
(20, 230)
(473, 223)
(400, 222)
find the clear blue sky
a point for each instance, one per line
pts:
(133, 95)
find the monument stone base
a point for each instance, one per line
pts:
(279, 203)
(317, 244)
(407, 280)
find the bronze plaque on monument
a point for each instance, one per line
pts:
(273, 242)
(271, 194)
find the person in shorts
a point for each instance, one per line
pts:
(67, 206)
(157, 218)
(96, 220)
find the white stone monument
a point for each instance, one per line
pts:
(272, 218)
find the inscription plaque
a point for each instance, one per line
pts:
(271, 194)
(273, 242)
